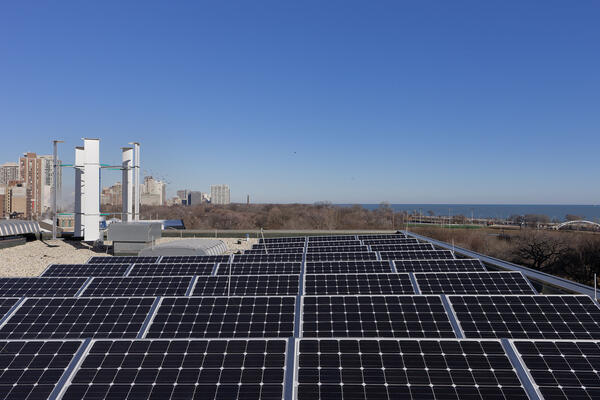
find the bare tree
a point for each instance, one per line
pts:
(539, 250)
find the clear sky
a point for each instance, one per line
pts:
(345, 101)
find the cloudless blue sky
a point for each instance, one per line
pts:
(346, 101)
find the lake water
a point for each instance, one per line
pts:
(590, 212)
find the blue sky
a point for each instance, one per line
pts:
(351, 102)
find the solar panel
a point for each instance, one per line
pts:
(66, 270)
(402, 247)
(287, 250)
(372, 242)
(267, 258)
(32, 369)
(123, 260)
(473, 283)
(180, 369)
(77, 317)
(223, 317)
(527, 317)
(194, 259)
(6, 304)
(40, 287)
(172, 269)
(562, 369)
(384, 236)
(275, 268)
(416, 255)
(388, 369)
(247, 285)
(292, 245)
(334, 284)
(283, 240)
(347, 267)
(341, 256)
(332, 238)
(375, 316)
(334, 243)
(138, 286)
(466, 264)
(337, 249)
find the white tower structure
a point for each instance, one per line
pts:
(127, 186)
(91, 194)
(79, 188)
(136, 181)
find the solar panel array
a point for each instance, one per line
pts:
(404, 369)
(562, 369)
(86, 270)
(473, 282)
(323, 317)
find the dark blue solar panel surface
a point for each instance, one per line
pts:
(181, 369)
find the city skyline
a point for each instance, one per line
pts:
(348, 102)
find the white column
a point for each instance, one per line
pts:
(91, 194)
(137, 181)
(79, 188)
(127, 183)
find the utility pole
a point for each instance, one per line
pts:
(54, 182)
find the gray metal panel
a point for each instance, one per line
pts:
(134, 232)
(186, 247)
(18, 227)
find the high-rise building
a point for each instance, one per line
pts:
(198, 198)
(153, 192)
(37, 173)
(9, 172)
(112, 195)
(17, 200)
(219, 194)
(184, 196)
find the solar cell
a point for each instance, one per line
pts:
(123, 260)
(138, 286)
(172, 269)
(40, 287)
(267, 258)
(332, 238)
(337, 249)
(334, 243)
(384, 236)
(180, 369)
(194, 259)
(402, 247)
(6, 303)
(438, 265)
(375, 316)
(287, 250)
(223, 317)
(74, 270)
(334, 284)
(272, 268)
(527, 317)
(269, 246)
(388, 369)
(32, 369)
(417, 255)
(562, 369)
(282, 240)
(247, 285)
(473, 283)
(341, 256)
(347, 267)
(371, 242)
(77, 317)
